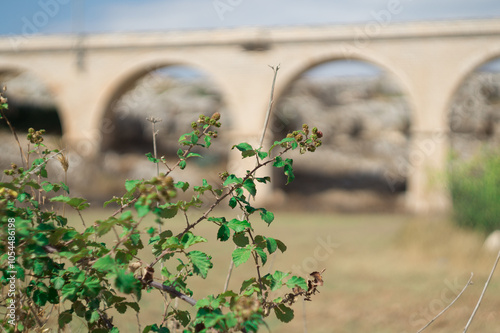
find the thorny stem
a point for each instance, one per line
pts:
(215, 204)
(257, 266)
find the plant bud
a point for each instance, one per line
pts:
(194, 125)
(216, 116)
(299, 137)
(319, 134)
(314, 130)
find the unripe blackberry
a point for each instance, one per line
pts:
(319, 134)
(194, 125)
(216, 116)
(299, 137)
(314, 130)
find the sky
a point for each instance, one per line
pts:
(95, 16)
(98, 16)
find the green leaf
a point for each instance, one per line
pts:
(264, 180)
(224, 233)
(77, 203)
(283, 313)
(142, 210)
(65, 317)
(182, 185)
(247, 283)
(240, 239)
(249, 185)
(271, 244)
(238, 226)
(166, 211)
(232, 179)
(152, 158)
(278, 162)
(193, 155)
(266, 216)
(127, 283)
(246, 149)
(65, 187)
(262, 255)
(94, 317)
(233, 202)
(289, 171)
(188, 239)
(262, 155)
(281, 245)
(182, 164)
(58, 283)
(241, 255)
(105, 263)
(297, 281)
(131, 184)
(278, 277)
(201, 262)
(208, 141)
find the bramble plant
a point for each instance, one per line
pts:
(57, 264)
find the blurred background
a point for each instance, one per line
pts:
(364, 111)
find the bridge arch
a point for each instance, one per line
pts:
(337, 174)
(42, 79)
(469, 65)
(301, 66)
(138, 68)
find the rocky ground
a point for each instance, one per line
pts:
(365, 121)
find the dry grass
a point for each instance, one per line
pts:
(386, 273)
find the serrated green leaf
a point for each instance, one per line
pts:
(241, 255)
(243, 147)
(182, 164)
(233, 202)
(188, 239)
(224, 233)
(201, 262)
(296, 281)
(283, 313)
(277, 281)
(58, 283)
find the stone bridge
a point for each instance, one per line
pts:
(429, 59)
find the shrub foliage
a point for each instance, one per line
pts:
(52, 263)
(475, 192)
